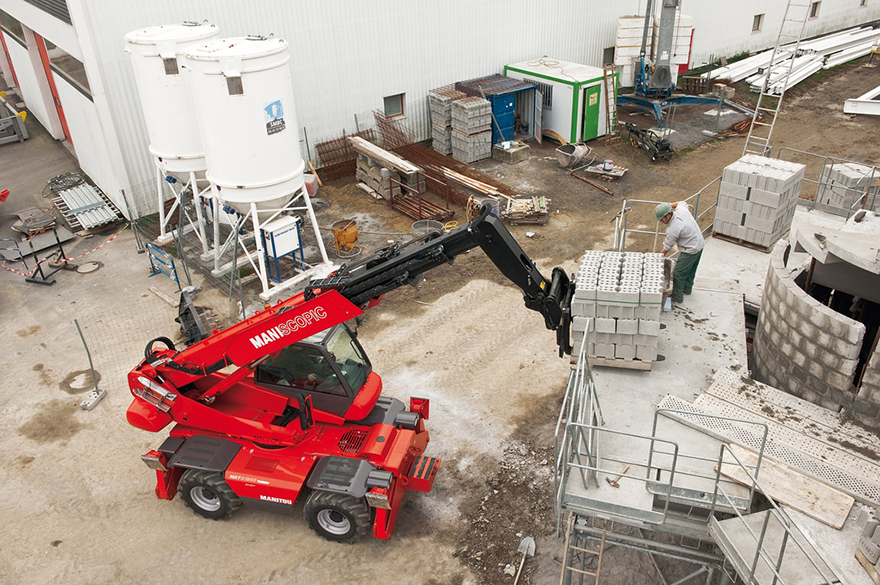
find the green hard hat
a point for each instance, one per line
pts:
(662, 211)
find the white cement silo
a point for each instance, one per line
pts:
(244, 102)
(166, 100)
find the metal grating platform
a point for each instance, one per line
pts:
(85, 208)
(695, 416)
(810, 418)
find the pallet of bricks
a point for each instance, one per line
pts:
(757, 198)
(616, 308)
(843, 184)
(471, 129)
(440, 101)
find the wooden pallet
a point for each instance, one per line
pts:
(744, 243)
(622, 364)
(872, 571)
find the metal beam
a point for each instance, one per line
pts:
(864, 104)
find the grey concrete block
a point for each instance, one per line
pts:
(604, 350)
(644, 353)
(627, 326)
(870, 549)
(647, 327)
(626, 352)
(604, 325)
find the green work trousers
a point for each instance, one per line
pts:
(683, 275)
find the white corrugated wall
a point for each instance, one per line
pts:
(347, 55)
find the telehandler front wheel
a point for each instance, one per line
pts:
(208, 494)
(338, 517)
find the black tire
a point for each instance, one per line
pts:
(208, 494)
(337, 517)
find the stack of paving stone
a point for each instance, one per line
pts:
(617, 304)
(842, 184)
(471, 129)
(378, 178)
(440, 101)
(757, 199)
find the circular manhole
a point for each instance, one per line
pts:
(79, 382)
(88, 267)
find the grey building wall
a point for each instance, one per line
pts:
(808, 350)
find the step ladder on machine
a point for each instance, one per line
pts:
(578, 563)
(612, 135)
(793, 23)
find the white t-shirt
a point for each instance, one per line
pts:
(683, 230)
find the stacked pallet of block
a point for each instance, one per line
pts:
(843, 184)
(617, 304)
(757, 199)
(628, 46)
(440, 101)
(380, 180)
(471, 129)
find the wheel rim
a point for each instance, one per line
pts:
(205, 499)
(334, 522)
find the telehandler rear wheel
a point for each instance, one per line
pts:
(338, 517)
(208, 494)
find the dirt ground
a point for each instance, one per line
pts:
(80, 506)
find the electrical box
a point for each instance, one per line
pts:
(281, 236)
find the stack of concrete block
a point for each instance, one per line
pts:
(440, 101)
(617, 304)
(842, 184)
(757, 199)
(471, 129)
(383, 181)
(869, 538)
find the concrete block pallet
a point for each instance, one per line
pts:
(757, 198)
(616, 306)
(471, 136)
(440, 102)
(382, 180)
(843, 184)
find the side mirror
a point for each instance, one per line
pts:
(306, 420)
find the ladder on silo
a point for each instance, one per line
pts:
(612, 135)
(790, 33)
(578, 558)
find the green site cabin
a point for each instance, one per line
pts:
(575, 109)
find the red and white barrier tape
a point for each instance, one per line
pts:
(50, 258)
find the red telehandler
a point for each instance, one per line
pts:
(286, 402)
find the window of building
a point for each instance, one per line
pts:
(814, 10)
(68, 67)
(546, 92)
(757, 22)
(12, 27)
(394, 105)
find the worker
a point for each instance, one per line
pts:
(681, 229)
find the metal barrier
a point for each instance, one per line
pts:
(824, 181)
(695, 201)
(774, 513)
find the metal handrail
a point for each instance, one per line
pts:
(774, 511)
(695, 201)
(574, 434)
(830, 160)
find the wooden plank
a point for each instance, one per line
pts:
(619, 363)
(783, 484)
(388, 159)
(872, 571)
